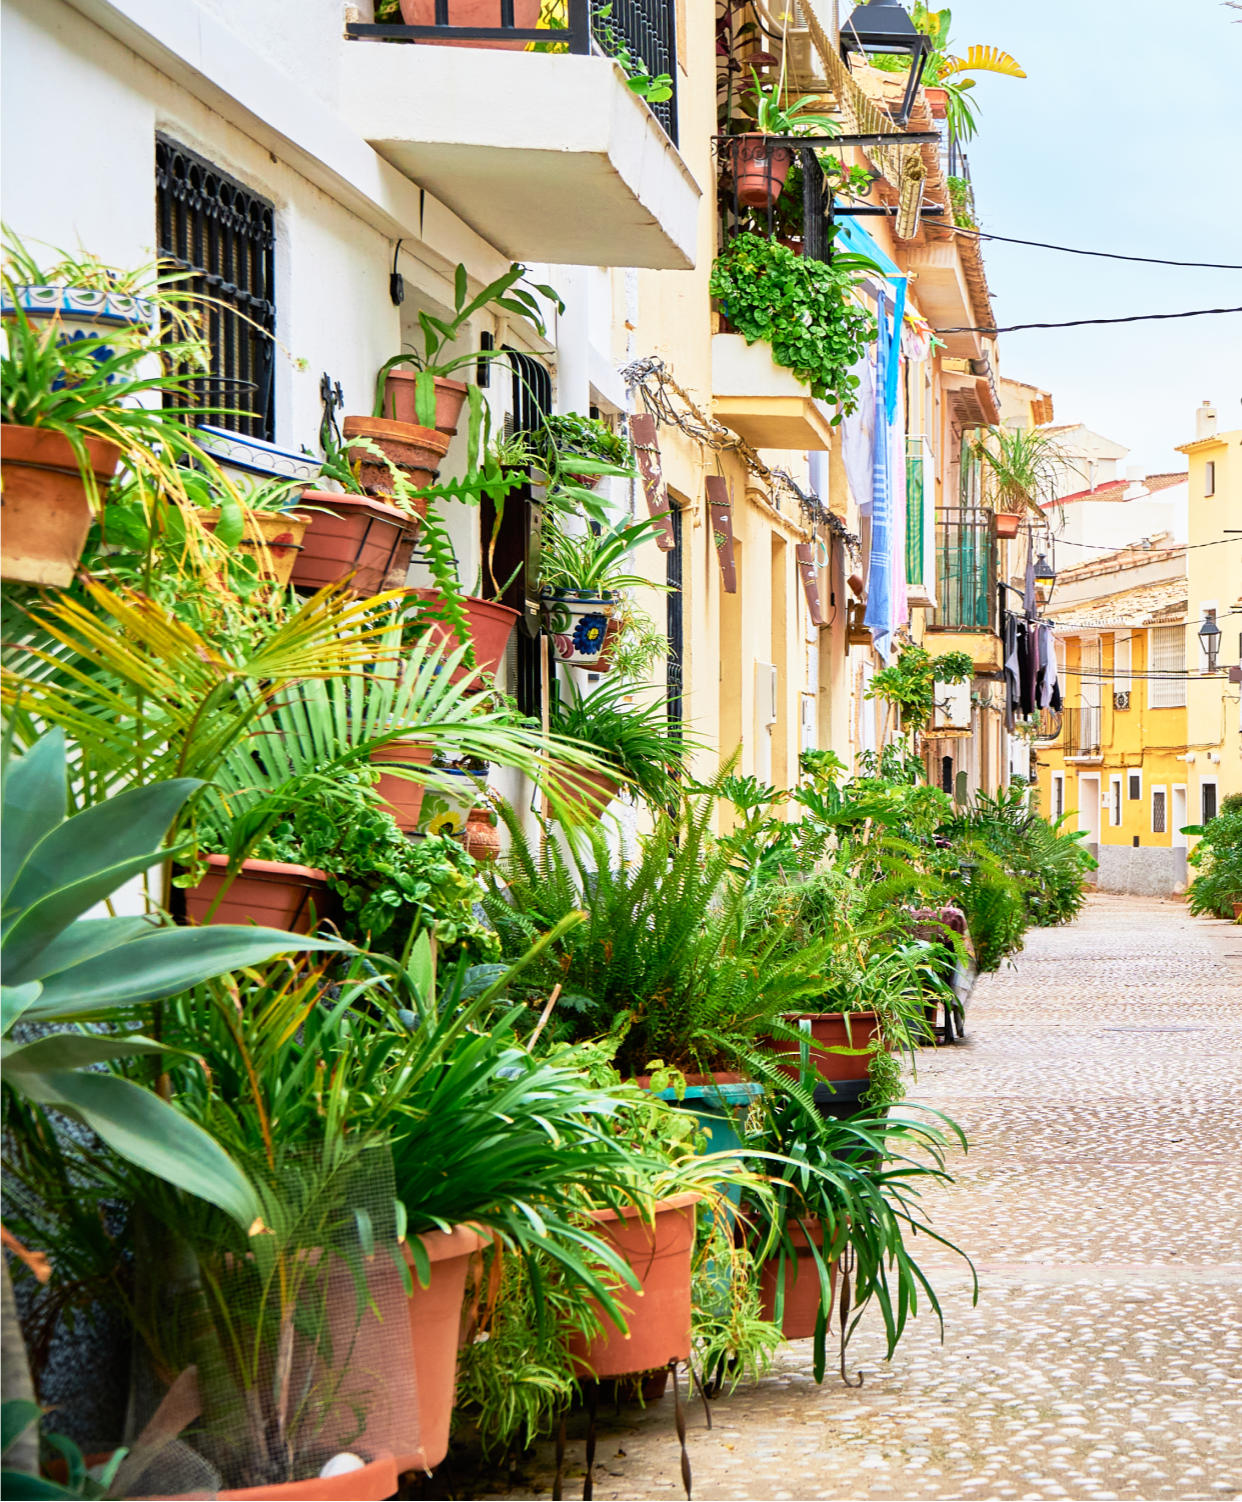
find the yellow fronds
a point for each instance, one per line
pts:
(986, 60)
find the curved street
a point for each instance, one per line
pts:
(1102, 1203)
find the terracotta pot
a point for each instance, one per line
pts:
(577, 620)
(353, 534)
(1006, 524)
(44, 511)
(404, 798)
(938, 102)
(274, 537)
(590, 792)
(435, 1322)
(829, 1030)
(802, 1287)
(473, 13)
(759, 171)
(658, 1314)
(272, 894)
(1237, 911)
(400, 406)
(415, 451)
(372, 1483)
(490, 625)
(481, 837)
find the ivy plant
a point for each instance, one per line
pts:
(802, 308)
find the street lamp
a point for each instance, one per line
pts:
(1209, 635)
(882, 27)
(1044, 571)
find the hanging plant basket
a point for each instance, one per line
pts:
(400, 405)
(759, 170)
(659, 1317)
(45, 510)
(1006, 524)
(577, 620)
(354, 534)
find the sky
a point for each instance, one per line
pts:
(1126, 137)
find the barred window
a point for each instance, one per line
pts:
(1157, 811)
(1168, 655)
(224, 235)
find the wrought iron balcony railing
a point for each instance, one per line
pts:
(1080, 730)
(632, 31)
(965, 570)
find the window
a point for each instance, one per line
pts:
(1168, 656)
(1058, 794)
(1115, 802)
(1136, 786)
(946, 775)
(224, 235)
(1207, 798)
(674, 625)
(1157, 811)
(1209, 477)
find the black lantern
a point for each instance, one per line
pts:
(1209, 635)
(1044, 571)
(882, 27)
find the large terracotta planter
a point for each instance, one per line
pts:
(435, 1324)
(658, 1315)
(373, 1483)
(404, 798)
(354, 534)
(759, 170)
(577, 621)
(490, 627)
(830, 1030)
(473, 13)
(586, 794)
(802, 1287)
(415, 451)
(44, 511)
(274, 537)
(399, 403)
(273, 894)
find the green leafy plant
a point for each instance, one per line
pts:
(1021, 467)
(632, 739)
(655, 89)
(774, 118)
(1217, 860)
(564, 437)
(593, 562)
(802, 308)
(909, 683)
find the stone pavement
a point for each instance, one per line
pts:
(1101, 1202)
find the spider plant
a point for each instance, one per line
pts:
(636, 740)
(594, 563)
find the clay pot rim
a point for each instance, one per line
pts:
(440, 1246)
(383, 1463)
(291, 516)
(105, 455)
(631, 1212)
(404, 432)
(817, 1016)
(366, 502)
(428, 592)
(414, 745)
(288, 869)
(412, 375)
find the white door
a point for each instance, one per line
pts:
(1089, 808)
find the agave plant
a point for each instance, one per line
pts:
(61, 967)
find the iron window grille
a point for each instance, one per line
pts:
(676, 626)
(1157, 811)
(965, 569)
(224, 236)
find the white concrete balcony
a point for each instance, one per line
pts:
(762, 401)
(549, 157)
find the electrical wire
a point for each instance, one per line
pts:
(1077, 323)
(1110, 255)
(1134, 547)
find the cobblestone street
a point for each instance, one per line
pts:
(1102, 1204)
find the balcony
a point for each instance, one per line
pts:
(1080, 733)
(763, 402)
(549, 156)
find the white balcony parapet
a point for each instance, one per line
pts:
(549, 157)
(762, 401)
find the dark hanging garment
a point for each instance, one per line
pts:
(1027, 659)
(1012, 688)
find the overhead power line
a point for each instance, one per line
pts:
(1108, 255)
(1137, 547)
(1077, 323)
